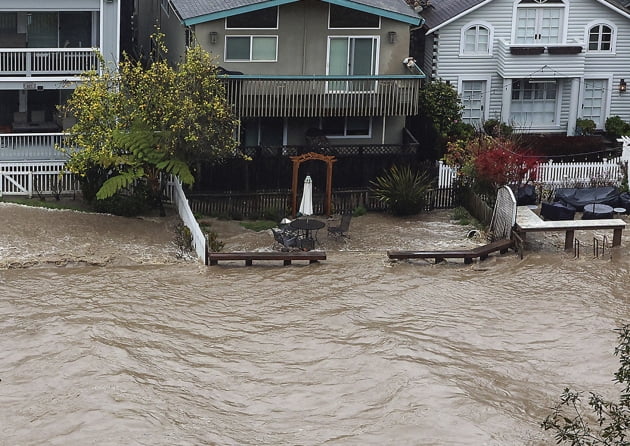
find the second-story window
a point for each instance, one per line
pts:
(600, 38)
(341, 17)
(476, 40)
(352, 56)
(539, 22)
(251, 48)
(262, 19)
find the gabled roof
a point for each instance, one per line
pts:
(442, 12)
(192, 12)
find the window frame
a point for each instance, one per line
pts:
(251, 47)
(485, 101)
(606, 96)
(376, 44)
(613, 38)
(562, 5)
(345, 128)
(476, 53)
(380, 22)
(257, 28)
(542, 124)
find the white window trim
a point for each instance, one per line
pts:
(345, 129)
(607, 96)
(380, 22)
(462, 42)
(528, 127)
(271, 29)
(488, 80)
(565, 18)
(251, 37)
(613, 41)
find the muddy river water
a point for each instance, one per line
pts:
(108, 338)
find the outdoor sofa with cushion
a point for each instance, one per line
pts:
(579, 197)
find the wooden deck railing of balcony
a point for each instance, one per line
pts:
(46, 61)
(31, 146)
(313, 96)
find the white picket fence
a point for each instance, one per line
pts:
(41, 178)
(552, 175)
(178, 197)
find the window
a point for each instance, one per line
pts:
(534, 102)
(348, 127)
(539, 22)
(251, 48)
(340, 17)
(8, 22)
(600, 38)
(354, 56)
(473, 97)
(594, 100)
(261, 19)
(476, 39)
(164, 4)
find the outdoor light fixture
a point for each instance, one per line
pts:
(213, 37)
(622, 85)
(392, 36)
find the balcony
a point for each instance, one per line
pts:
(320, 95)
(33, 62)
(516, 61)
(31, 146)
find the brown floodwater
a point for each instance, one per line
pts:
(109, 338)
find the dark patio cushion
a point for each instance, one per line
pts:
(578, 197)
(557, 211)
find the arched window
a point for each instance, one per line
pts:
(476, 39)
(601, 38)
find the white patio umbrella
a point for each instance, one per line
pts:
(306, 205)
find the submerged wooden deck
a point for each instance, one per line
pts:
(249, 257)
(481, 252)
(528, 221)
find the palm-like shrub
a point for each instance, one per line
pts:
(402, 189)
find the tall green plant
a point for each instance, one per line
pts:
(612, 419)
(402, 189)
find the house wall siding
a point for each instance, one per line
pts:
(452, 67)
(303, 42)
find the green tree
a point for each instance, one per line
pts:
(402, 189)
(440, 102)
(611, 419)
(141, 122)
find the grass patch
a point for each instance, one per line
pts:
(259, 225)
(463, 218)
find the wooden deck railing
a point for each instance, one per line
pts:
(46, 61)
(314, 96)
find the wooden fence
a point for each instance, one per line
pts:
(277, 204)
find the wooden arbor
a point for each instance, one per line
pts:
(297, 160)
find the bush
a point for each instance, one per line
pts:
(616, 127)
(585, 127)
(402, 190)
(125, 205)
(495, 128)
(359, 211)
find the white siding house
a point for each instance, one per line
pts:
(44, 47)
(538, 65)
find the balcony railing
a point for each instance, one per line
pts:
(31, 146)
(46, 61)
(314, 96)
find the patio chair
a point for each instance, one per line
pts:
(342, 228)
